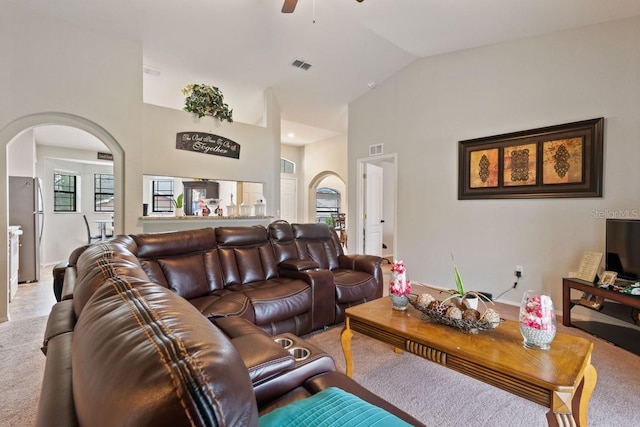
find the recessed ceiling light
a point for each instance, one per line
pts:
(291, 134)
(371, 84)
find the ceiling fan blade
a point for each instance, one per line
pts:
(289, 6)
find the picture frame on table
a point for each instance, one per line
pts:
(608, 278)
(556, 161)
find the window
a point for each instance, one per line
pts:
(162, 198)
(287, 166)
(103, 192)
(327, 202)
(64, 193)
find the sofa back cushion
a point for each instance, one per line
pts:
(246, 255)
(283, 241)
(183, 261)
(315, 242)
(142, 355)
(101, 261)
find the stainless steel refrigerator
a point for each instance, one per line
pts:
(26, 210)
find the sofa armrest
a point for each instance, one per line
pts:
(263, 357)
(323, 293)
(367, 263)
(61, 320)
(235, 327)
(56, 406)
(69, 283)
(58, 279)
(317, 362)
(299, 264)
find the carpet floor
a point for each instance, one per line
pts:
(430, 392)
(21, 370)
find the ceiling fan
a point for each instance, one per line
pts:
(290, 5)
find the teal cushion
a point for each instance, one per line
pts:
(331, 407)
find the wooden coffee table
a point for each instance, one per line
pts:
(561, 378)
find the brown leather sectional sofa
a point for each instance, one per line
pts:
(184, 328)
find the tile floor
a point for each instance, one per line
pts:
(34, 299)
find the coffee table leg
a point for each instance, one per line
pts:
(345, 340)
(578, 403)
(583, 396)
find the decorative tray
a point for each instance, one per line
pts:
(471, 326)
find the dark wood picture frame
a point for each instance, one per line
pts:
(555, 161)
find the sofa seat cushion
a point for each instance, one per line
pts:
(331, 407)
(277, 299)
(222, 303)
(353, 285)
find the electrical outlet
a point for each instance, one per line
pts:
(519, 271)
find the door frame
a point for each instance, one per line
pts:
(360, 197)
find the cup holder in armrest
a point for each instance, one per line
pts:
(299, 353)
(284, 342)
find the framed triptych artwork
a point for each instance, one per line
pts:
(555, 161)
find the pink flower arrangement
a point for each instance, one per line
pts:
(399, 284)
(537, 313)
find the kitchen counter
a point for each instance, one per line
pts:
(160, 223)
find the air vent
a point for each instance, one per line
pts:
(151, 71)
(301, 64)
(375, 150)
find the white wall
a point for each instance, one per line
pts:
(256, 163)
(422, 112)
(22, 155)
(388, 208)
(329, 155)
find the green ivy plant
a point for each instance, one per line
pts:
(206, 100)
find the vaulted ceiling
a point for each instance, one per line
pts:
(245, 46)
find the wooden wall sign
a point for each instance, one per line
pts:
(207, 143)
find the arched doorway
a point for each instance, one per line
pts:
(19, 126)
(326, 179)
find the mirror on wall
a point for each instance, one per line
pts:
(201, 196)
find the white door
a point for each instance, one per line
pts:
(251, 193)
(373, 209)
(288, 199)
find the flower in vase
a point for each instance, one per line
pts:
(399, 284)
(537, 313)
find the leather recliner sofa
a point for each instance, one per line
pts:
(285, 278)
(130, 349)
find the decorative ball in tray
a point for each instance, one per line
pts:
(458, 316)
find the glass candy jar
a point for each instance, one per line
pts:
(537, 320)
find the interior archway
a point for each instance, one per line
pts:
(332, 180)
(17, 127)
